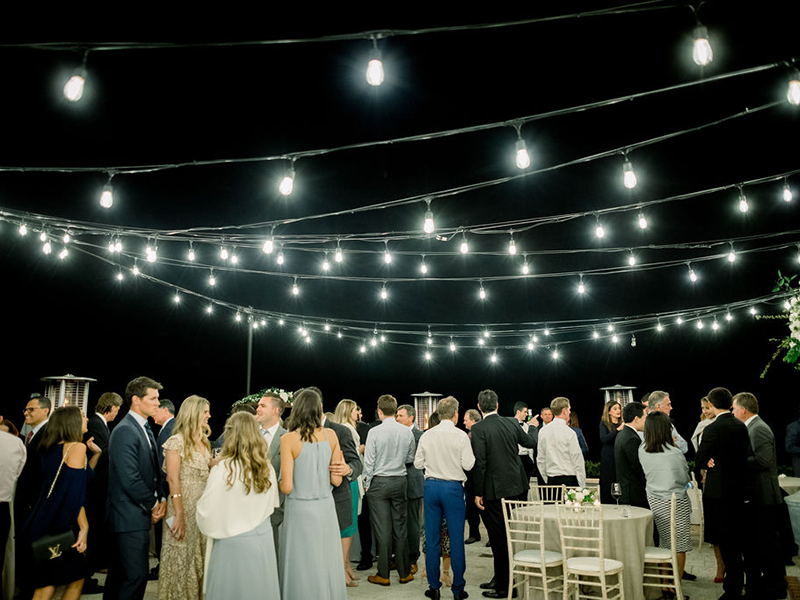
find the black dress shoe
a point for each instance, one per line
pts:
(462, 595)
(472, 539)
(499, 594)
(92, 586)
(363, 566)
(432, 594)
(489, 585)
(688, 576)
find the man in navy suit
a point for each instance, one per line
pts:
(134, 492)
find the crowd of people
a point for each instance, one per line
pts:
(245, 515)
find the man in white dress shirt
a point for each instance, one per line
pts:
(445, 453)
(560, 459)
(12, 449)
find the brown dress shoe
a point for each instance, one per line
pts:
(378, 580)
(410, 577)
(414, 568)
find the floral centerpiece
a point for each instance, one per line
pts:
(581, 496)
(287, 397)
(789, 346)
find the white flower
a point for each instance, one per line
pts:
(579, 497)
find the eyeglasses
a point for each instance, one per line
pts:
(29, 409)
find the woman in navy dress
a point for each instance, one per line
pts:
(610, 424)
(62, 503)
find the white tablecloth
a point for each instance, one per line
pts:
(624, 539)
(790, 484)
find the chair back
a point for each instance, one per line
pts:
(581, 530)
(524, 521)
(549, 494)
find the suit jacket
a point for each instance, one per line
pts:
(793, 444)
(762, 464)
(275, 458)
(727, 442)
(415, 479)
(342, 494)
(498, 470)
(163, 435)
(98, 485)
(134, 478)
(629, 470)
(29, 484)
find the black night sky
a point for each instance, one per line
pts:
(194, 100)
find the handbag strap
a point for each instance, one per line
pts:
(63, 459)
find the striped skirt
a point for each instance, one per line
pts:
(683, 521)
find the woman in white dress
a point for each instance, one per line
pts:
(234, 513)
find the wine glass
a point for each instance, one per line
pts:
(616, 492)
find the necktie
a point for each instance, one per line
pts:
(151, 439)
(28, 437)
(267, 437)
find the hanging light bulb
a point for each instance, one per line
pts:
(728, 316)
(793, 93)
(191, 256)
(632, 259)
(633, 341)
(702, 54)
(23, 229)
(595, 334)
(581, 286)
(212, 281)
(337, 255)
(118, 245)
(362, 348)
(223, 253)
(238, 317)
(699, 324)
(452, 346)
(753, 310)
(556, 355)
(135, 269)
(512, 247)
(482, 293)
(659, 327)
(384, 292)
(547, 331)
(375, 66)
(286, 186)
(43, 236)
(428, 226)
(177, 299)
(628, 175)
(599, 230)
(743, 205)
(692, 274)
(715, 325)
(679, 321)
(327, 327)
(151, 253)
(281, 259)
(487, 334)
(107, 197)
(66, 239)
(522, 157)
(269, 245)
(423, 268)
(732, 255)
(642, 221)
(111, 246)
(387, 256)
(210, 308)
(295, 289)
(615, 338)
(428, 356)
(63, 254)
(120, 276)
(525, 268)
(530, 345)
(610, 328)
(234, 257)
(787, 192)
(493, 358)
(73, 89)
(464, 244)
(326, 266)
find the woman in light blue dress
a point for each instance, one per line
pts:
(311, 463)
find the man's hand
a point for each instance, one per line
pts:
(158, 512)
(535, 420)
(342, 469)
(479, 502)
(710, 463)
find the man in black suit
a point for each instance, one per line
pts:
(415, 486)
(498, 474)
(626, 456)
(766, 574)
(134, 492)
(723, 451)
(105, 412)
(165, 419)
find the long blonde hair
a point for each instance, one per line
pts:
(191, 422)
(247, 450)
(344, 412)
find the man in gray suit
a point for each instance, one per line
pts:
(766, 575)
(268, 414)
(415, 486)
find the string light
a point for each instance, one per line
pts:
(787, 305)
(715, 325)
(628, 174)
(632, 259)
(423, 268)
(238, 317)
(295, 288)
(788, 195)
(223, 253)
(599, 230)
(452, 346)
(512, 247)
(743, 205)
(525, 268)
(387, 256)
(753, 310)
(659, 327)
(118, 245)
(66, 239)
(375, 65)
(63, 254)
(464, 244)
(493, 358)
(281, 259)
(23, 229)
(642, 221)
(286, 186)
(384, 292)
(728, 316)
(732, 255)
(428, 226)
(487, 334)
(120, 276)
(177, 299)
(610, 328)
(547, 331)
(595, 334)
(581, 286)
(47, 248)
(700, 324)
(281, 322)
(191, 255)
(151, 253)
(692, 274)
(210, 308)
(337, 255)
(679, 320)
(362, 349)
(269, 245)
(793, 92)
(73, 89)
(615, 338)
(530, 345)
(633, 341)
(43, 236)
(135, 269)
(234, 257)
(428, 356)
(521, 157)
(702, 54)
(107, 196)
(556, 354)
(212, 281)
(481, 342)
(482, 293)
(326, 266)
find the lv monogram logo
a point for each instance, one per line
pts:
(55, 551)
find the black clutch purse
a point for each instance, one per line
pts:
(51, 547)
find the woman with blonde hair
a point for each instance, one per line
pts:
(310, 463)
(234, 513)
(610, 425)
(187, 457)
(347, 415)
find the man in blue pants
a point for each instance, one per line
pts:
(445, 453)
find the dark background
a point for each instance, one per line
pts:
(175, 105)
